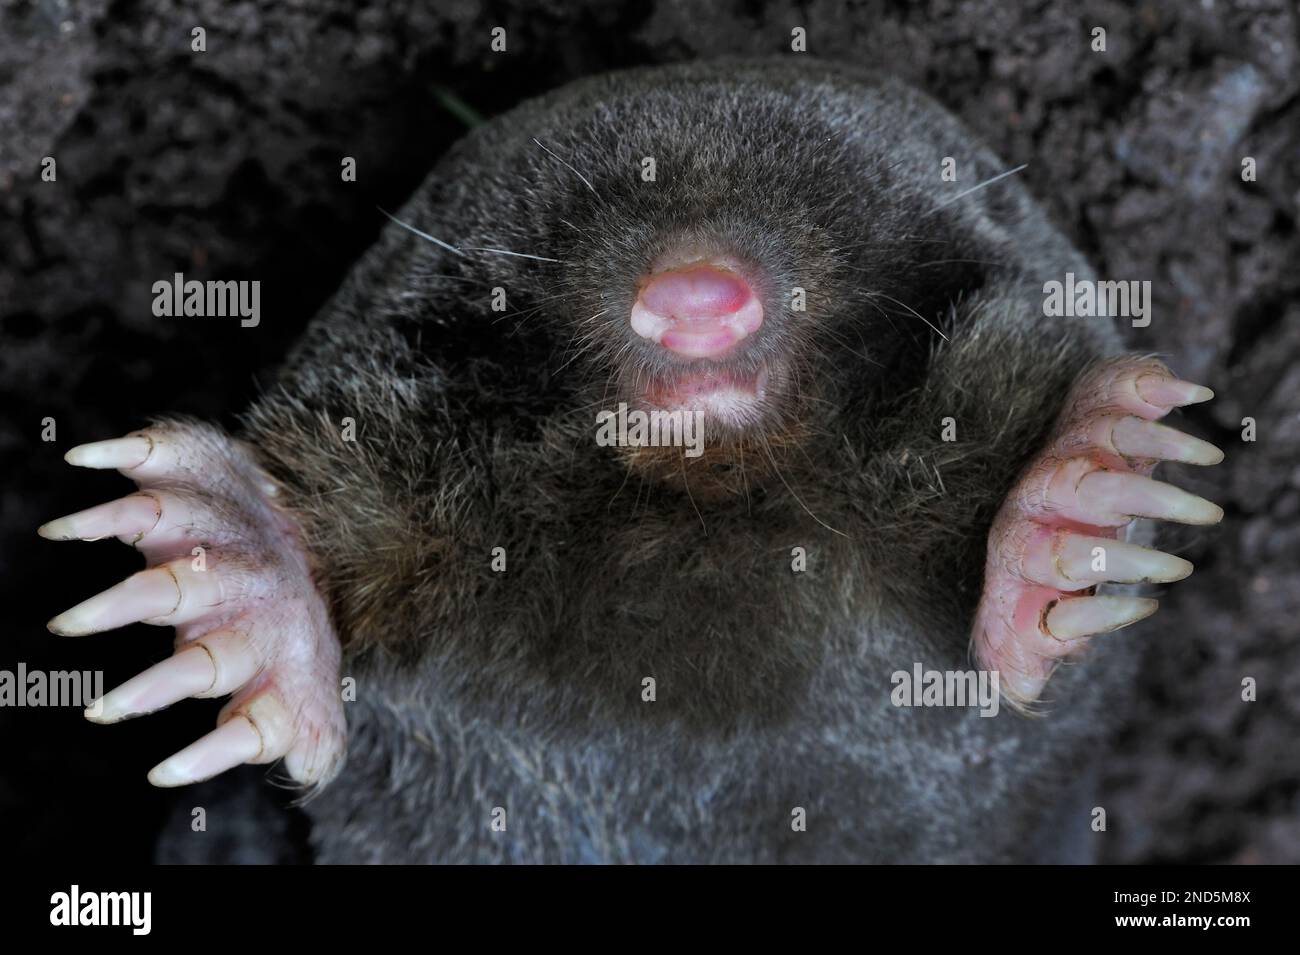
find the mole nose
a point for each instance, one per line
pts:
(699, 311)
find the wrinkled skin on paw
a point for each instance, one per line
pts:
(227, 570)
(1061, 531)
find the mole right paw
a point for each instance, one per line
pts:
(1058, 535)
(226, 567)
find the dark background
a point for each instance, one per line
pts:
(225, 164)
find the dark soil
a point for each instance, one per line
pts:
(225, 164)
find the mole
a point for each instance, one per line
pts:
(477, 624)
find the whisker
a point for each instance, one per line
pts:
(838, 338)
(777, 471)
(521, 315)
(581, 348)
(582, 344)
(691, 497)
(584, 179)
(913, 311)
(422, 235)
(986, 182)
(522, 255)
(923, 265)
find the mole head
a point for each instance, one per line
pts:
(707, 291)
(716, 290)
(702, 223)
(735, 249)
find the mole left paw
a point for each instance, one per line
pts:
(1056, 536)
(228, 570)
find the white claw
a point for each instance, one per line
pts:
(233, 742)
(134, 516)
(1115, 497)
(188, 673)
(1074, 617)
(122, 453)
(1137, 437)
(1163, 390)
(1124, 563)
(168, 594)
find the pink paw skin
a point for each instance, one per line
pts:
(1060, 531)
(248, 618)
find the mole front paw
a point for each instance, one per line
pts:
(1057, 536)
(227, 569)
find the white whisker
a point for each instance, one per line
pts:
(986, 182)
(522, 255)
(422, 235)
(586, 181)
(933, 328)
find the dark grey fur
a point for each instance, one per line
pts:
(522, 690)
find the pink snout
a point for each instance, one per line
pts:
(700, 311)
